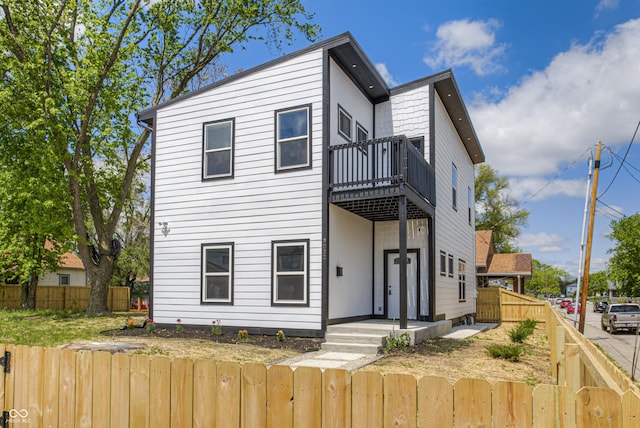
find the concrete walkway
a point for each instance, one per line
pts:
(353, 361)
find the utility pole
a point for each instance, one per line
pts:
(587, 257)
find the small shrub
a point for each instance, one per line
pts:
(280, 335)
(393, 341)
(216, 328)
(150, 326)
(179, 327)
(130, 324)
(518, 334)
(529, 324)
(510, 352)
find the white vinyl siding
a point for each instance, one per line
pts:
(453, 233)
(255, 208)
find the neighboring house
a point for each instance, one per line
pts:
(293, 195)
(70, 272)
(501, 270)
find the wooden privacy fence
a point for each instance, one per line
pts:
(500, 305)
(64, 297)
(73, 389)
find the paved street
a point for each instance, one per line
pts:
(619, 346)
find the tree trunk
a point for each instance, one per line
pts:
(28, 295)
(100, 277)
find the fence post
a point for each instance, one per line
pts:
(558, 360)
(574, 366)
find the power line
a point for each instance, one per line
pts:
(623, 160)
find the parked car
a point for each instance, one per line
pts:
(565, 303)
(621, 316)
(600, 306)
(571, 309)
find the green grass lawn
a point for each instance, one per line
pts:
(49, 328)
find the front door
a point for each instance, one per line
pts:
(393, 285)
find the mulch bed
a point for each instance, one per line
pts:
(302, 344)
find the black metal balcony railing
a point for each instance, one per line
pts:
(382, 162)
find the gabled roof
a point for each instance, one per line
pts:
(71, 261)
(346, 51)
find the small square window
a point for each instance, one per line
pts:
(217, 273)
(293, 138)
(64, 279)
(218, 149)
(290, 273)
(344, 123)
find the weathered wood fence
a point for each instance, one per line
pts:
(64, 297)
(65, 388)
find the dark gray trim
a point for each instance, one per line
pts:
(152, 234)
(326, 137)
(233, 149)
(431, 272)
(445, 84)
(432, 128)
(343, 46)
(359, 126)
(357, 318)
(306, 242)
(309, 141)
(385, 280)
(231, 264)
(442, 263)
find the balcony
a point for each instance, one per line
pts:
(367, 177)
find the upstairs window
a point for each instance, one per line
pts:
(450, 260)
(361, 133)
(344, 123)
(218, 149)
(454, 186)
(469, 204)
(293, 138)
(443, 263)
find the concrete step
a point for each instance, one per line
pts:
(371, 339)
(355, 348)
(360, 329)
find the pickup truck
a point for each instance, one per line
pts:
(621, 316)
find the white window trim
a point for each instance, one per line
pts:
(450, 263)
(298, 137)
(443, 263)
(205, 173)
(305, 273)
(342, 111)
(206, 274)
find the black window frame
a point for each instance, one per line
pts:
(462, 280)
(454, 186)
(274, 272)
(203, 274)
(277, 141)
(450, 263)
(64, 275)
(231, 149)
(469, 203)
(443, 263)
(341, 112)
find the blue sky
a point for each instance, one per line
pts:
(543, 82)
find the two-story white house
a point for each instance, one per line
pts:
(305, 192)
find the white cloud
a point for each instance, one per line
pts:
(606, 5)
(590, 92)
(535, 189)
(386, 75)
(467, 43)
(541, 240)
